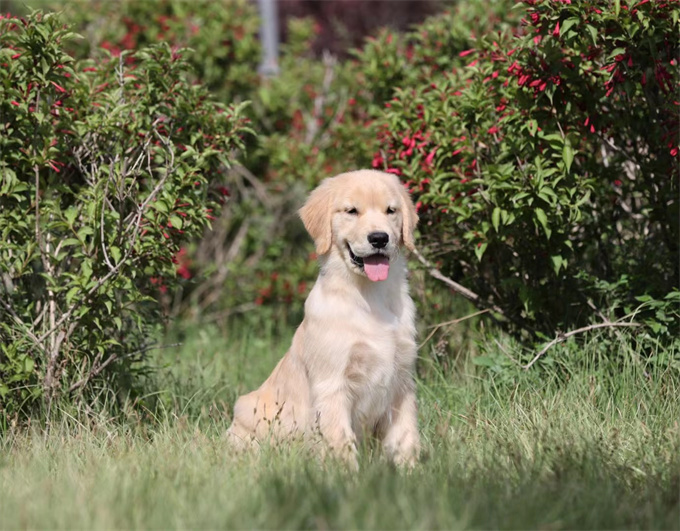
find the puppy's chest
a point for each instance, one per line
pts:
(374, 365)
(379, 347)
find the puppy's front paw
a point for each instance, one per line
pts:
(406, 459)
(404, 452)
(345, 451)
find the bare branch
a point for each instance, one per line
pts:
(99, 367)
(101, 231)
(506, 353)
(562, 337)
(461, 290)
(455, 321)
(218, 279)
(18, 320)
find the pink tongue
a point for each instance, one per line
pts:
(377, 267)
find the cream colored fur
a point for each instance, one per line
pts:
(349, 371)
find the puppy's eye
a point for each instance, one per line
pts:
(352, 211)
(390, 210)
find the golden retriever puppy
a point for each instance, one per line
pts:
(349, 371)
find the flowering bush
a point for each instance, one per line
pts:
(242, 263)
(105, 169)
(222, 36)
(544, 158)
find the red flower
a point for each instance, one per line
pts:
(430, 157)
(58, 87)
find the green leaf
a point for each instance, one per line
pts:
(593, 33)
(533, 127)
(115, 254)
(29, 364)
(484, 361)
(568, 155)
(160, 206)
(558, 263)
(567, 24)
(70, 242)
(496, 218)
(542, 218)
(615, 52)
(70, 214)
(479, 250)
(176, 221)
(72, 293)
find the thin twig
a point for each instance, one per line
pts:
(454, 321)
(507, 354)
(461, 290)
(562, 337)
(113, 357)
(28, 331)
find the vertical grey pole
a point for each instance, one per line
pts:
(269, 37)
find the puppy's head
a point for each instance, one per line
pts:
(364, 216)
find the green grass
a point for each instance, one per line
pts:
(584, 448)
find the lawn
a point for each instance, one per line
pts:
(589, 447)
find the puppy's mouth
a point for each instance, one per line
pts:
(375, 266)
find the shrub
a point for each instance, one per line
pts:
(222, 36)
(243, 263)
(545, 158)
(106, 167)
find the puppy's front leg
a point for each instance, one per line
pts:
(334, 424)
(401, 440)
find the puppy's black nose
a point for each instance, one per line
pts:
(378, 239)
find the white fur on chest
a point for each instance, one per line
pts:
(366, 346)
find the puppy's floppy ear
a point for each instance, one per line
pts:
(409, 218)
(316, 215)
